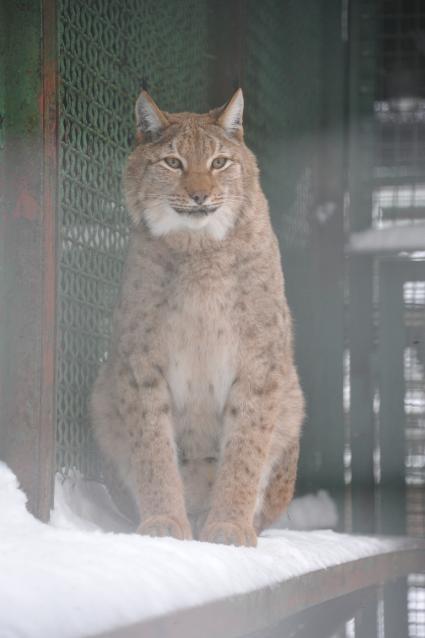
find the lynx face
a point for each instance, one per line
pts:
(189, 171)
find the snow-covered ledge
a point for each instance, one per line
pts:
(59, 580)
(390, 239)
(254, 612)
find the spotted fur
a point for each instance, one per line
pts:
(199, 407)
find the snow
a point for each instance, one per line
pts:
(71, 579)
(311, 511)
(84, 504)
(396, 238)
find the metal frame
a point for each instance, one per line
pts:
(360, 270)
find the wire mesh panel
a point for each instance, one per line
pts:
(400, 97)
(398, 200)
(394, 78)
(416, 606)
(414, 405)
(400, 114)
(393, 81)
(106, 49)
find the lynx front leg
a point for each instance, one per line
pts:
(249, 419)
(146, 411)
(280, 489)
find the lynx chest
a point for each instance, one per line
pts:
(202, 348)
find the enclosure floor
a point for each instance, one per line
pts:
(60, 580)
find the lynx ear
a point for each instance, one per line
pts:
(230, 117)
(149, 118)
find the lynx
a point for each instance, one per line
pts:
(198, 406)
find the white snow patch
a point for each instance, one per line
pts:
(84, 504)
(312, 511)
(403, 237)
(71, 580)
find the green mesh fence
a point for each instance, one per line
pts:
(106, 49)
(281, 71)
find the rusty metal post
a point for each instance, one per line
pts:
(28, 232)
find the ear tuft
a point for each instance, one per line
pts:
(149, 118)
(230, 117)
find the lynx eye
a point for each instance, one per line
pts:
(173, 162)
(219, 162)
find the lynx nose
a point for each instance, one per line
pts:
(198, 197)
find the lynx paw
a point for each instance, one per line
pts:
(229, 534)
(165, 526)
